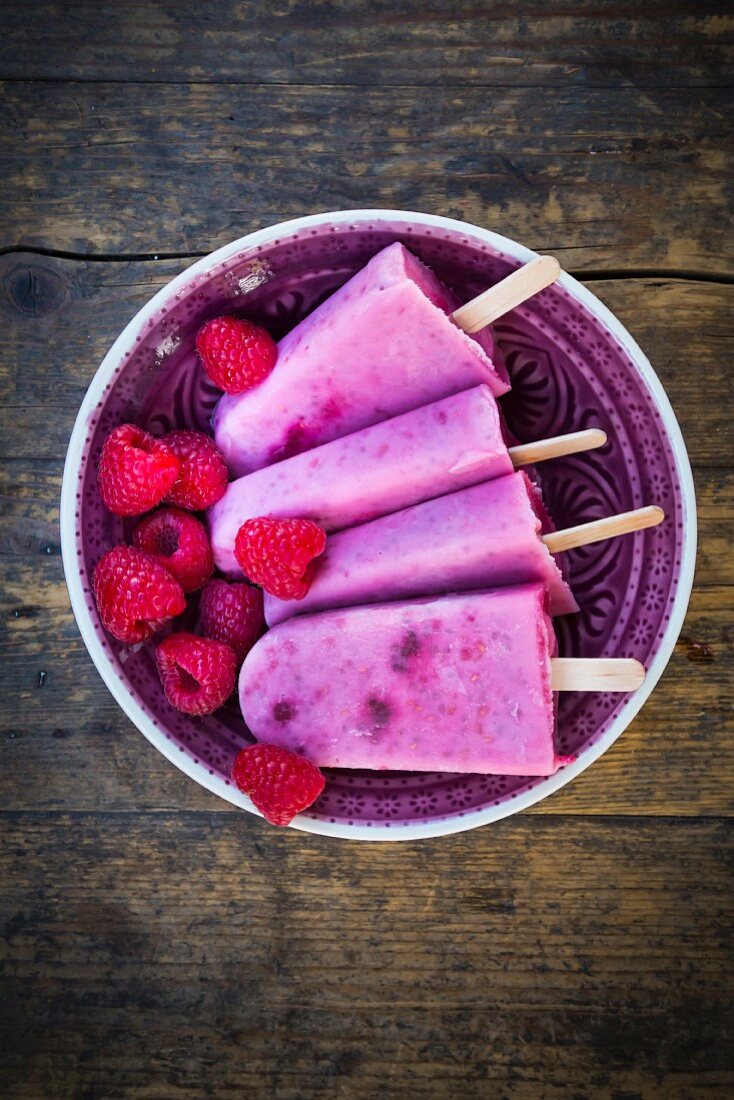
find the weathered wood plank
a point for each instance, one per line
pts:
(588, 43)
(129, 168)
(59, 318)
(187, 956)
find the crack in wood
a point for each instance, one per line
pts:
(589, 276)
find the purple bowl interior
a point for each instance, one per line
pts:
(568, 373)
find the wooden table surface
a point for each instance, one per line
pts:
(159, 944)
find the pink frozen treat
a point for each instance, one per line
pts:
(380, 345)
(422, 454)
(487, 536)
(456, 684)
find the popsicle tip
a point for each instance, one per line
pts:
(636, 673)
(622, 674)
(551, 266)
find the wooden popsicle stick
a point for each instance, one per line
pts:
(607, 528)
(508, 293)
(596, 674)
(524, 454)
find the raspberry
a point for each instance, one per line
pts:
(232, 613)
(179, 543)
(203, 475)
(279, 783)
(135, 595)
(135, 471)
(277, 554)
(237, 355)
(197, 674)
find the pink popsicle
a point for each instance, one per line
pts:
(456, 684)
(380, 345)
(424, 453)
(486, 536)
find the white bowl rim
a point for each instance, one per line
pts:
(104, 662)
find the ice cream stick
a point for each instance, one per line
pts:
(607, 528)
(524, 454)
(596, 674)
(505, 295)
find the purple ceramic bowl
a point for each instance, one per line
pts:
(572, 365)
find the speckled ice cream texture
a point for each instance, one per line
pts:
(460, 684)
(424, 453)
(486, 536)
(380, 345)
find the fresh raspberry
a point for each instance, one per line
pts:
(135, 471)
(279, 783)
(277, 554)
(197, 674)
(237, 355)
(203, 475)
(135, 595)
(179, 542)
(232, 613)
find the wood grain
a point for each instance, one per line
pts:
(109, 168)
(184, 955)
(584, 534)
(488, 42)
